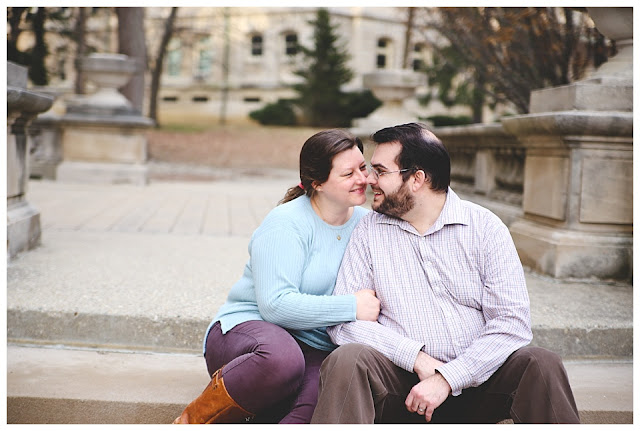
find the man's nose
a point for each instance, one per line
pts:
(372, 178)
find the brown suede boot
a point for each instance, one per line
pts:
(214, 405)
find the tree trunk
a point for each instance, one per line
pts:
(225, 71)
(81, 48)
(131, 41)
(37, 69)
(156, 73)
(407, 38)
(477, 102)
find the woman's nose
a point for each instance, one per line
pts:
(362, 176)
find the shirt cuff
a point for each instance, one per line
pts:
(456, 374)
(406, 354)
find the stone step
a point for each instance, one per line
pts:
(179, 335)
(54, 385)
(159, 292)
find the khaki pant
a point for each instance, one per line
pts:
(360, 385)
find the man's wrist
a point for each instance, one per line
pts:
(438, 373)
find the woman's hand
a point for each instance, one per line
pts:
(367, 305)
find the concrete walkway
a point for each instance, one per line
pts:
(144, 269)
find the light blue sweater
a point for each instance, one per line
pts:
(294, 257)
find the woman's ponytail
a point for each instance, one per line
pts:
(292, 193)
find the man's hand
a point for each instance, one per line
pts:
(367, 305)
(425, 366)
(427, 395)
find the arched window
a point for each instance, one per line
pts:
(291, 43)
(256, 45)
(174, 58)
(384, 51)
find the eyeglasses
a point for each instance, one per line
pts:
(378, 174)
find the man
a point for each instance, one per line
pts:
(449, 343)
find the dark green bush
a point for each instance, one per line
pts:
(447, 120)
(279, 113)
(359, 105)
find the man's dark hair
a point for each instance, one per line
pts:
(421, 150)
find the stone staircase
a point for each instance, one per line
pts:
(105, 319)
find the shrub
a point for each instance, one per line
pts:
(359, 105)
(279, 113)
(446, 120)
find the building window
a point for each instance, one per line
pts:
(200, 99)
(383, 55)
(174, 58)
(205, 57)
(170, 99)
(291, 44)
(418, 57)
(256, 45)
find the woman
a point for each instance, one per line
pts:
(265, 346)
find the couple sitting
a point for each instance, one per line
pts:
(425, 297)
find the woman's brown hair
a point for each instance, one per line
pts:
(316, 160)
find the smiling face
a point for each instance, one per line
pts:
(391, 195)
(347, 180)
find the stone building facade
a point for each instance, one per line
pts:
(232, 60)
(258, 48)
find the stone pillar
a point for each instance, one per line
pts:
(392, 87)
(578, 179)
(23, 220)
(46, 148)
(103, 136)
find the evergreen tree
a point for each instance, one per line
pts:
(320, 96)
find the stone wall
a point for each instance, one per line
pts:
(487, 167)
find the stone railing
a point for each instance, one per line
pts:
(487, 166)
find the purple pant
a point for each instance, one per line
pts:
(266, 371)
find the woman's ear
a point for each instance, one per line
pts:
(317, 187)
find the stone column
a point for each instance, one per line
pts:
(46, 148)
(23, 220)
(392, 87)
(578, 179)
(103, 136)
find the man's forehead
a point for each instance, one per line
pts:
(386, 153)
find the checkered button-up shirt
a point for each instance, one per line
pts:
(457, 292)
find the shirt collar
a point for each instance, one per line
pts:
(453, 212)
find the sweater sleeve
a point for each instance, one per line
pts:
(278, 256)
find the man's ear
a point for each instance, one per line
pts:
(419, 180)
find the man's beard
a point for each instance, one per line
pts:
(396, 204)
